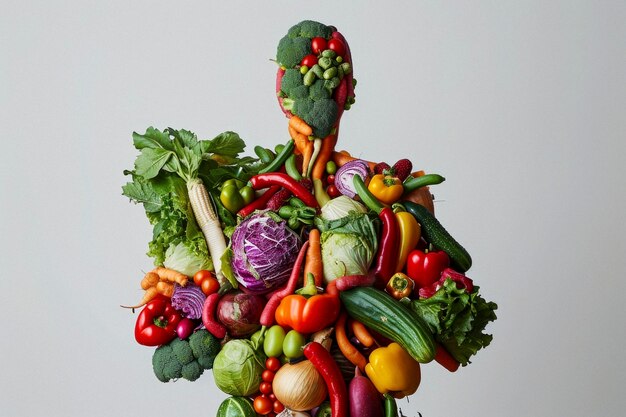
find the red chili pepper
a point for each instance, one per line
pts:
(328, 368)
(208, 316)
(425, 267)
(387, 247)
(259, 203)
(157, 322)
(267, 317)
(261, 181)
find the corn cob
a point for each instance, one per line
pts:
(209, 223)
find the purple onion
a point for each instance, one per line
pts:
(344, 175)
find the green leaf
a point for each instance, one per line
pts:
(225, 144)
(150, 161)
(145, 194)
(152, 139)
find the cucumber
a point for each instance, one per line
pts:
(384, 314)
(435, 234)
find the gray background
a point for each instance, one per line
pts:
(520, 105)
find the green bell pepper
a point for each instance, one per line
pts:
(235, 194)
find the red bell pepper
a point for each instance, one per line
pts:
(426, 267)
(309, 315)
(157, 322)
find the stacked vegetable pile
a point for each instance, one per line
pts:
(309, 281)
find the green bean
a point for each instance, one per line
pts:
(292, 170)
(265, 155)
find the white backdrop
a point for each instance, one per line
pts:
(520, 105)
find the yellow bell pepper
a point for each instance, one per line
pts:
(385, 188)
(410, 233)
(392, 370)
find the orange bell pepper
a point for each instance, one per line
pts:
(309, 314)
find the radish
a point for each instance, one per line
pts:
(365, 400)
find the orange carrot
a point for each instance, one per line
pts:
(170, 275)
(341, 158)
(328, 146)
(300, 125)
(147, 297)
(150, 280)
(343, 342)
(299, 140)
(313, 261)
(306, 156)
(362, 333)
(165, 288)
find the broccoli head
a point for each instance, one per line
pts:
(185, 358)
(310, 29)
(318, 90)
(291, 51)
(292, 80)
(205, 347)
(322, 117)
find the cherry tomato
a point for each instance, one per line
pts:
(265, 388)
(267, 375)
(330, 179)
(309, 60)
(201, 275)
(333, 191)
(263, 405)
(272, 396)
(318, 45)
(273, 364)
(337, 46)
(210, 286)
(278, 407)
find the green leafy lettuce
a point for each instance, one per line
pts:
(457, 319)
(167, 160)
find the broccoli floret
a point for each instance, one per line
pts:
(322, 117)
(291, 51)
(165, 365)
(292, 82)
(310, 29)
(192, 371)
(185, 358)
(205, 347)
(318, 90)
(182, 351)
(302, 107)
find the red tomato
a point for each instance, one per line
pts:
(201, 275)
(267, 375)
(278, 407)
(318, 45)
(337, 46)
(333, 191)
(273, 364)
(210, 286)
(265, 388)
(330, 179)
(263, 405)
(272, 396)
(309, 60)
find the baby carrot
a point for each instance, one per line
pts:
(300, 125)
(313, 262)
(170, 275)
(328, 146)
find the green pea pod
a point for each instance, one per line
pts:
(413, 183)
(325, 62)
(291, 168)
(293, 222)
(317, 70)
(296, 202)
(309, 78)
(280, 158)
(329, 53)
(265, 155)
(286, 212)
(330, 73)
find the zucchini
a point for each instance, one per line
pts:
(384, 314)
(435, 234)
